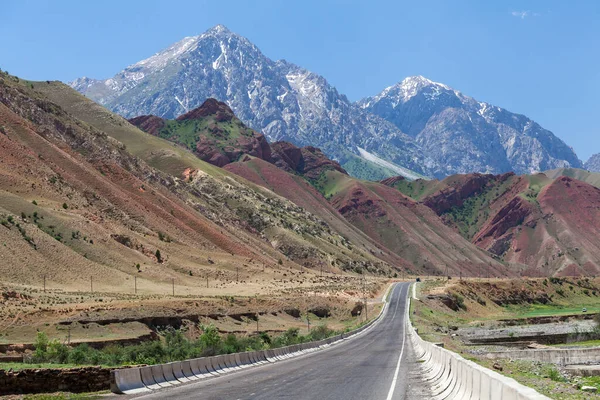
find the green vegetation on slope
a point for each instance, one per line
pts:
(331, 182)
(472, 214)
(220, 134)
(418, 189)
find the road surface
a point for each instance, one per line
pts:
(379, 364)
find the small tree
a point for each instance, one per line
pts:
(41, 346)
(158, 256)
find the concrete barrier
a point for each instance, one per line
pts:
(148, 378)
(127, 381)
(159, 377)
(453, 377)
(262, 357)
(230, 362)
(167, 371)
(270, 355)
(177, 368)
(186, 368)
(202, 367)
(217, 364)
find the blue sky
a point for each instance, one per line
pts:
(538, 58)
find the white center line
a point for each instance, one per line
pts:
(393, 387)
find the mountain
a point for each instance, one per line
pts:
(416, 128)
(465, 135)
(593, 164)
(410, 238)
(545, 221)
(277, 98)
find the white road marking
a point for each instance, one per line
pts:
(393, 387)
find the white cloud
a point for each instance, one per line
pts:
(524, 14)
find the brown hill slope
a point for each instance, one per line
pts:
(266, 224)
(544, 223)
(297, 189)
(408, 228)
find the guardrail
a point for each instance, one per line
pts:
(450, 376)
(145, 379)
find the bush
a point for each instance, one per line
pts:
(81, 354)
(321, 332)
(41, 346)
(57, 352)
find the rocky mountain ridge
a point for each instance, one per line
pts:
(415, 128)
(593, 163)
(466, 135)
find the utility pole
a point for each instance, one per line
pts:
(237, 274)
(91, 284)
(173, 283)
(256, 297)
(44, 283)
(365, 299)
(207, 282)
(69, 334)
(135, 284)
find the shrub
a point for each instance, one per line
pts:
(41, 346)
(321, 332)
(158, 256)
(57, 352)
(81, 354)
(65, 206)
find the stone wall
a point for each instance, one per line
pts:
(75, 380)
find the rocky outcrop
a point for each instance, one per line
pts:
(210, 107)
(149, 123)
(309, 161)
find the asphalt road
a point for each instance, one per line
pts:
(376, 365)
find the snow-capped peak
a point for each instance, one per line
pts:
(162, 58)
(408, 88)
(218, 29)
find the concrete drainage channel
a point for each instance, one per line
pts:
(450, 376)
(145, 379)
